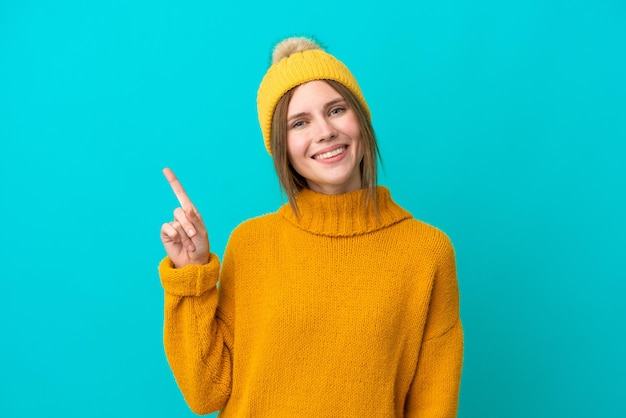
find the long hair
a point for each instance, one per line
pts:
(291, 182)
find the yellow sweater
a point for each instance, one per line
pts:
(329, 315)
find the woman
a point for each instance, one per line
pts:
(339, 304)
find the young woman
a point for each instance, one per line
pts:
(340, 303)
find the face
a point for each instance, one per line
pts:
(323, 139)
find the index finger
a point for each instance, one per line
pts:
(178, 189)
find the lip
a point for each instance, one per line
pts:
(329, 149)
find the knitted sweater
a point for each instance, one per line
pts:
(326, 315)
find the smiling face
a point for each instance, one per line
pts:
(324, 139)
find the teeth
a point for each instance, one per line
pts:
(330, 153)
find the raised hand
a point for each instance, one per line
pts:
(185, 238)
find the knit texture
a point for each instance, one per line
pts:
(326, 315)
(296, 69)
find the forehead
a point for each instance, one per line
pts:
(312, 95)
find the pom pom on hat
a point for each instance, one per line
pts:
(297, 61)
(290, 46)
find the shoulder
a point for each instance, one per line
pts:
(426, 238)
(254, 229)
(430, 232)
(413, 229)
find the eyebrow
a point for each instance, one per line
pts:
(326, 106)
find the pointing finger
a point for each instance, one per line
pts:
(178, 189)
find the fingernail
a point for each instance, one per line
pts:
(191, 232)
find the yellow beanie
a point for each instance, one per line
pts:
(297, 61)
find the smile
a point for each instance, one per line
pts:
(330, 154)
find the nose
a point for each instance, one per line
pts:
(325, 130)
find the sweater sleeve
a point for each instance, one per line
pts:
(434, 391)
(198, 334)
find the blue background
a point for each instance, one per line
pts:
(502, 123)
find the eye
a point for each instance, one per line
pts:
(337, 110)
(297, 124)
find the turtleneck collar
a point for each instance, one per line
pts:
(342, 215)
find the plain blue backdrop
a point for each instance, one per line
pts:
(502, 123)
